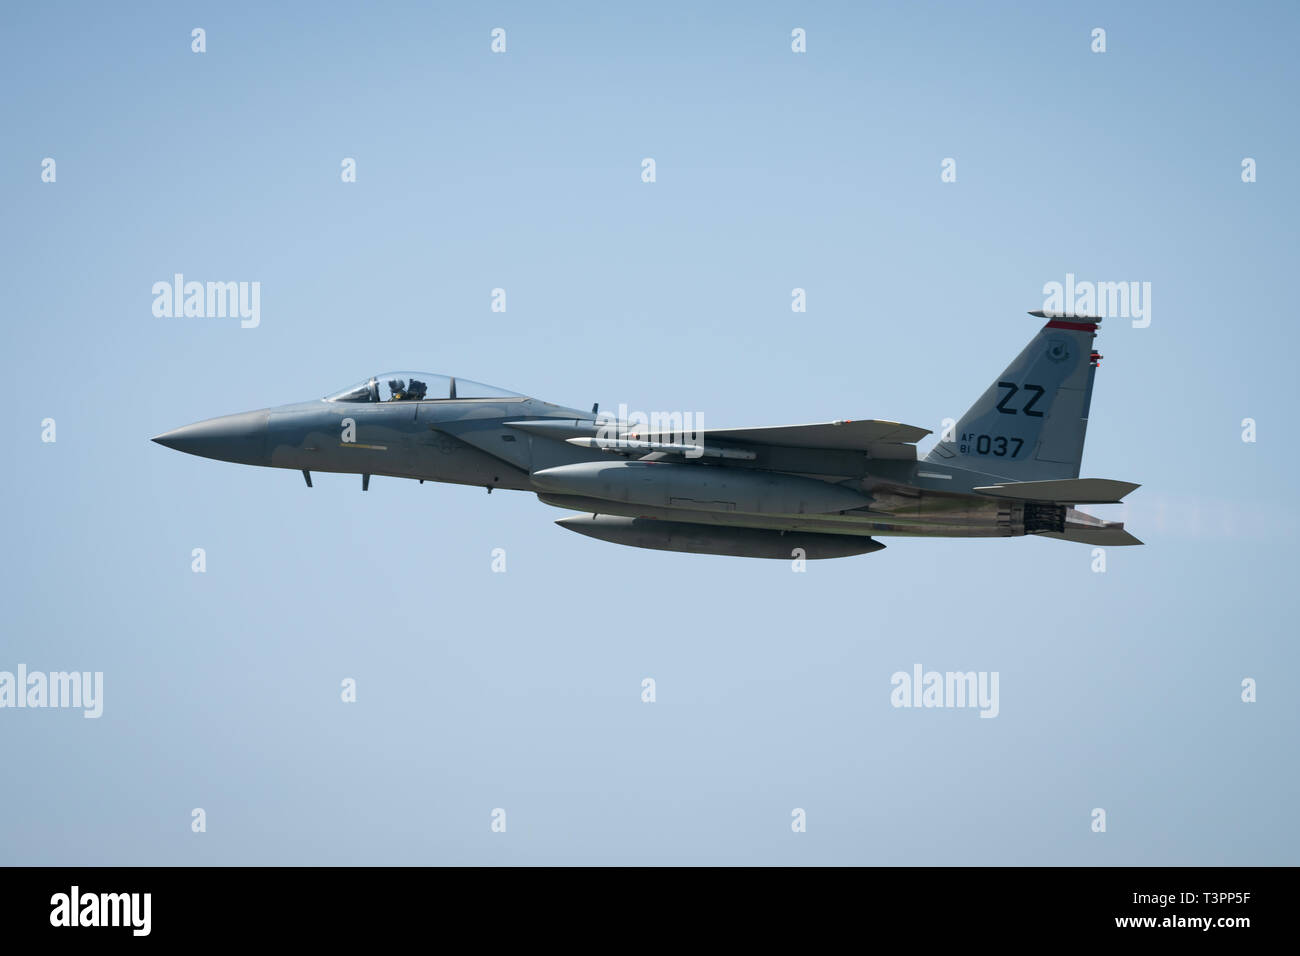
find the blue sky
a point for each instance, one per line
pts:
(522, 171)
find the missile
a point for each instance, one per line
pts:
(627, 446)
(712, 539)
(698, 487)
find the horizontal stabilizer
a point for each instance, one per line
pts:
(1101, 537)
(1089, 529)
(1075, 491)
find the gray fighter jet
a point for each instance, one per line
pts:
(1009, 467)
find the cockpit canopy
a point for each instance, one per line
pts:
(417, 387)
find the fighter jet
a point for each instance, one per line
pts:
(1009, 467)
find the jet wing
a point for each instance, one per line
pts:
(859, 435)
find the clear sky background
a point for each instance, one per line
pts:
(775, 170)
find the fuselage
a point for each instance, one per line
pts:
(504, 442)
(1009, 466)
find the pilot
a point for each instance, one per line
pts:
(398, 388)
(417, 390)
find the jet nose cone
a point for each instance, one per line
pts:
(239, 438)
